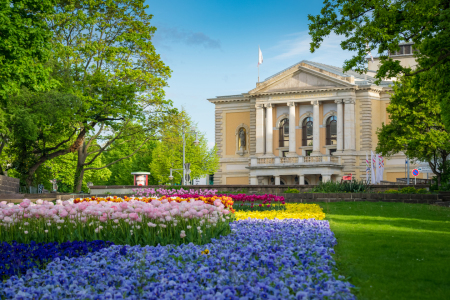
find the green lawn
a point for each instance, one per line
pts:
(392, 250)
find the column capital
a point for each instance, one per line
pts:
(268, 105)
(315, 102)
(259, 105)
(339, 101)
(291, 104)
(349, 101)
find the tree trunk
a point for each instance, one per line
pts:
(79, 173)
(2, 145)
(74, 147)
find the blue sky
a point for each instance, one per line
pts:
(212, 47)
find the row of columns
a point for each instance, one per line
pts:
(345, 124)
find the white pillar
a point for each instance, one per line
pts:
(349, 125)
(253, 180)
(326, 178)
(269, 130)
(292, 142)
(316, 128)
(301, 179)
(340, 126)
(259, 129)
(277, 180)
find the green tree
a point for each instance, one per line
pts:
(104, 53)
(168, 153)
(416, 126)
(121, 171)
(381, 25)
(25, 47)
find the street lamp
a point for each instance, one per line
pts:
(196, 142)
(171, 176)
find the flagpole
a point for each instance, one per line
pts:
(258, 62)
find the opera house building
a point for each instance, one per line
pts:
(308, 123)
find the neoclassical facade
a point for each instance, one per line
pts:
(308, 123)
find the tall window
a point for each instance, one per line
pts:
(307, 131)
(331, 131)
(284, 133)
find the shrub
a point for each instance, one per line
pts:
(342, 187)
(408, 190)
(391, 191)
(292, 191)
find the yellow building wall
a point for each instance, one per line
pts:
(377, 119)
(237, 180)
(358, 125)
(392, 176)
(233, 120)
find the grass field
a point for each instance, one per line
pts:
(392, 250)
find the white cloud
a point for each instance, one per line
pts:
(297, 46)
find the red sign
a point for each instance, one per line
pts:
(141, 180)
(347, 177)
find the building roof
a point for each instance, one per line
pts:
(332, 69)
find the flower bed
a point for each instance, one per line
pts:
(277, 259)
(16, 259)
(131, 223)
(151, 192)
(226, 201)
(293, 211)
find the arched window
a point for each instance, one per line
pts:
(331, 131)
(284, 133)
(307, 131)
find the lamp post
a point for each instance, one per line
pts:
(196, 142)
(171, 176)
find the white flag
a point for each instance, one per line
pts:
(260, 57)
(380, 169)
(367, 168)
(373, 180)
(377, 165)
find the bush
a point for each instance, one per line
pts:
(408, 190)
(292, 191)
(391, 191)
(342, 187)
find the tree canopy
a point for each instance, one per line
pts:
(381, 25)
(416, 126)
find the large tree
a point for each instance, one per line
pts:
(104, 51)
(416, 126)
(381, 25)
(25, 47)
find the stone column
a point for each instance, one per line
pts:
(259, 129)
(340, 125)
(269, 130)
(301, 179)
(316, 129)
(253, 180)
(292, 142)
(326, 178)
(349, 125)
(277, 180)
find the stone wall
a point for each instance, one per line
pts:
(248, 189)
(354, 197)
(9, 185)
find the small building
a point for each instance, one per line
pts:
(308, 123)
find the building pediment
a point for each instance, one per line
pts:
(303, 76)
